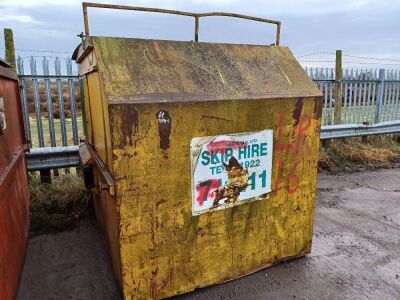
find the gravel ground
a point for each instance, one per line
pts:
(355, 252)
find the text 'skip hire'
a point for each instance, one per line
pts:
(229, 170)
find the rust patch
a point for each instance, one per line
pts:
(237, 182)
(129, 117)
(164, 128)
(156, 285)
(297, 111)
(215, 118)
(159, 202)
(318, 107)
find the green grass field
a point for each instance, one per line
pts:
(57, 129)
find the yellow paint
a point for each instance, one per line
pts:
(97, 115)
(158, 232)
(99, 135)
(158, 248)
(88, 123)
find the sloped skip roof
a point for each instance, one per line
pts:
(137, 70)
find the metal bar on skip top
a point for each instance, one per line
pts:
(197, 16)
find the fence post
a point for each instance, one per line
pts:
(338, 88)
(10, 50)
(379, 96)
(24, 101)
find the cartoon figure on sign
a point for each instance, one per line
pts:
(237, 183)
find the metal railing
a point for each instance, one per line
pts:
(50, 95)
(52, 112)
(196, 16)
(44, 97)
(368, 96)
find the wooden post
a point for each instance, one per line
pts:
(45, 176)
(338, 88)
(364, 138)
(10, 50)
(196, 29)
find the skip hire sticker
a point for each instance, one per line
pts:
(230, 170)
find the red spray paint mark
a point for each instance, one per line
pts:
(304, 124)
(205, 190)
(220, 146)
(293, 181)
(290, 179)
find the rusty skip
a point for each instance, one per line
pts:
(196, 16)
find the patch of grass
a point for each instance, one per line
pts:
(57, 206)
(352, 154)
(57, 129)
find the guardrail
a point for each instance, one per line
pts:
(46, 158)
(354, 130)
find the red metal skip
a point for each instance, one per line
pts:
(14, 195)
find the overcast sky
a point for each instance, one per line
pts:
(359, 27)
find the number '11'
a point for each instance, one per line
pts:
(262, 176)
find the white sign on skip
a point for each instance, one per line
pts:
(229, 170)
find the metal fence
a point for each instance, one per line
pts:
(50, 93)
(368, 96)
(44, 96)
(51, 104)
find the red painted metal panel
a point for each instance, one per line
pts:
(13, 137)
(14, 222)
(14, 194)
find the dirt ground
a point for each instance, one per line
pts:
(355, 254)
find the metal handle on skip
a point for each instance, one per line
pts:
(196, 16)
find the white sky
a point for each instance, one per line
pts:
(359, 27)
